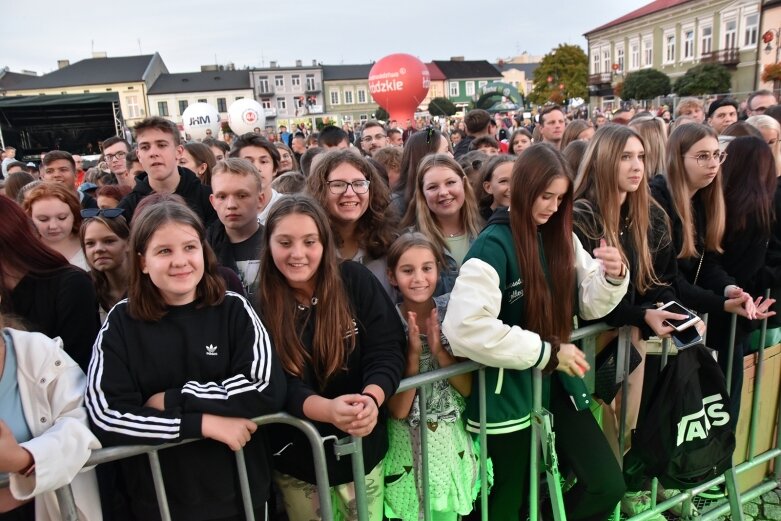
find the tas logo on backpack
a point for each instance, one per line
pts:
(684, 438)
(697, 425)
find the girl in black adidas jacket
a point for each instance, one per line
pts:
(179, 359)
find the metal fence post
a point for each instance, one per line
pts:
(66, 503)
(157, 477)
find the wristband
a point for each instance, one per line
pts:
(374, 399)
(28, 471)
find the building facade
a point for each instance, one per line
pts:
(770, 43)
(289, 95)
(347, 96)
(171, 94)
(464, 78)
(129, 76)
(673, 36)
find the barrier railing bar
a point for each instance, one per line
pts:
(246, 495)
(534, 471)
(67, 503)
(157, 478)
(757, 386)
(483, 436)
(359, 481)
(423, 426)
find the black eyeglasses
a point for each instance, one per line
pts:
(119, 156)
(340, 187)
(109, 213)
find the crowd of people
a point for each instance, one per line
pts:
(193, 286)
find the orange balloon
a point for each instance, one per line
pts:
(399, 83)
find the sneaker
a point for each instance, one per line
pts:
(664, 495)
(634, 503)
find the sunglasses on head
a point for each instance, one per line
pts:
(109, 213)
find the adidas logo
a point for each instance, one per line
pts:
(211, 350)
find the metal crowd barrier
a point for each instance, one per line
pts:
(541, 447)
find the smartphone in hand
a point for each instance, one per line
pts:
(680, 325)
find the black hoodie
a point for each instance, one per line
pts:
(195, 194)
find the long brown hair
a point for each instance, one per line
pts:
(119, 227)
(375, 229)
(749, 185)
(549, 299)
(681, 140)
(144, 299)
(418, 214)
(334, 337)
(597, 188)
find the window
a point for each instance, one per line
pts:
(222, 105)
(361, 96)
(348, 97)
(706, 40)
(239, 97)
(182, 106)
(634, 56)
(364, 117)
(751, 31)
(470, 88)
(279, 81)
(648, 52)
(299, 100)
(606, 59)
(669, 48)
(620, 59)
(281, 104)
(202, 100)
(454, 92)
(295, 80)
(266, 104)
(310, 82)
(263, 85)
(133, 110)
(730, 34)
(688, 44)
(162, 108)
(334, 97)
(595, 63)
(482, 83)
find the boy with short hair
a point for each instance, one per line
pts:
(264, 156)
(159, 151)
(236, 238)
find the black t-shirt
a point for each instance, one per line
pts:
(247, 255)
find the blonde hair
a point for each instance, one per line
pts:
(681, 140)
(653, 132)
(763, 121)
(418, 214)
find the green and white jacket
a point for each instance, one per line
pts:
(485, 319)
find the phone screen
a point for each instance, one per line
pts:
(678, 310)
(686, 337)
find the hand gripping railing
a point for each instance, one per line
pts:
(542, 444)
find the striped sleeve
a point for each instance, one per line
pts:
(113, 401)
(255, 385)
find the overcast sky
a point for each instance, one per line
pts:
(188, 34)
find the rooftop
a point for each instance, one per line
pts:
(201, 82)
(456, 69)
(93, 71)
(653, 7)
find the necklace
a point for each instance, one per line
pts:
(301, 307)
(457, 234)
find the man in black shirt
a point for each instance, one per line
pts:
(237, 194)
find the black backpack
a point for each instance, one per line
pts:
(684, 438)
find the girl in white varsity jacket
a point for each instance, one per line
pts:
(180, 358)
(511, 309)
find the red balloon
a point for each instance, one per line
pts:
(399, 83)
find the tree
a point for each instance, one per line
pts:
(708, 78)
(381, 114)
(645, 84)
(562, 74)
(441, 107)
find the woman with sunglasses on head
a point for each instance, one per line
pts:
(56, 214)
(357, 203)
(38, 285)
(104, 237)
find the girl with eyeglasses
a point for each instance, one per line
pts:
(56, 213)
(357, 203)
(38, 285)
(341, 343)
(444, 209)
(691, 194)
(105, 239)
